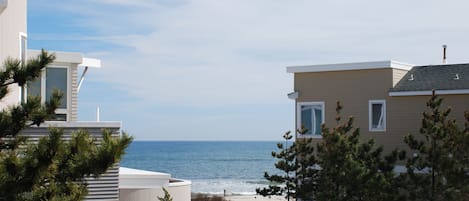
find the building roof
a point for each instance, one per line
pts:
(349, 66)
(450, 77)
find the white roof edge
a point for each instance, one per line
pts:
(137, 172)
(350, 66)
(427, 93)
(81, 124)
(90, 62)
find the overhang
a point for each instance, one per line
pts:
(349, 66)
(90, 62)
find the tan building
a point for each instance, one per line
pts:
(386, 98)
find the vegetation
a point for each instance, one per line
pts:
(51, 169)
(438, 168)
(204, 197)
(167, 196)
(344, 167)
(295, 161)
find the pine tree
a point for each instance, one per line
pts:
(52, 169)
(297, 162)
(351, 170)
(282, 184)
(438, 168)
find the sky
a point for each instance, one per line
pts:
(216, 69)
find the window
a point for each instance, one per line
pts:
(23, 47)
(52, 78)
(311, 117)
(377, 115)
(56, 78)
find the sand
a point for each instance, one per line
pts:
(254, 198)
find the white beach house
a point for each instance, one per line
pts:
(118, 183)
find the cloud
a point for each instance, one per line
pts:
(230, 53)
(234, 52)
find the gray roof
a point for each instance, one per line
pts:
(438, 77)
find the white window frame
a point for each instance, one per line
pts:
(43, 78)
(299, 120)
(370, 115)
(22, 56)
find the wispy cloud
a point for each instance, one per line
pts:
(207, 53)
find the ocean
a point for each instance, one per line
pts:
(213, 167)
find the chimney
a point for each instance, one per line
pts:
(444, 54)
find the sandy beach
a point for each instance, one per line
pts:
(254, 198)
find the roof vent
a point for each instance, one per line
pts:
(444, 54)
(456, 77)
(3, 5)
(411, 77)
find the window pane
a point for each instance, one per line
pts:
(377, 118)
(56, 78)
(306, 119)
(311, 118)
(318, 122)
(34, 87)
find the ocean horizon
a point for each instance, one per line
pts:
(214, 167)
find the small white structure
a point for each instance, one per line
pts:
(141, 185)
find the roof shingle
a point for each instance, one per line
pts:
(438, 77)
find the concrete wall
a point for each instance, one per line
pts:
(355, 88)
(12, 23)
(179, 191)
(105, 187)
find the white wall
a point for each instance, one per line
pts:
(179, 191)
(12, 23)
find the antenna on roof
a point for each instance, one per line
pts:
(444, 54)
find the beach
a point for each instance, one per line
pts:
(254, 198)
(203, 197)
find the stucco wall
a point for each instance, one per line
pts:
(12, 23)
(179, 191)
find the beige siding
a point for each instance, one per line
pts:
(73, 94)
(398, 74)
(105, 187)
(355, 88)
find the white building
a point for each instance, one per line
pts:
(117, 184)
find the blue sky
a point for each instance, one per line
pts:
(215, 69)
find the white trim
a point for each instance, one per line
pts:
(298, 117)
(90, 62)
(22, 58)
(370, 115)
(350, 66)
(426, 93)
(22, 35)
